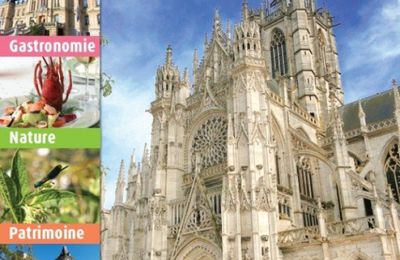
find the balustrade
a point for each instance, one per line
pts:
(351, 227)
(300, 235)
(312, 233)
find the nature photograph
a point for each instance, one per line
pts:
(49, 186)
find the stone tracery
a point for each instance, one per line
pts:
(392, 169)
(210, 142)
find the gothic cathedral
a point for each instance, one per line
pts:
(257, 157)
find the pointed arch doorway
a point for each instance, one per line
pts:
(199, 249)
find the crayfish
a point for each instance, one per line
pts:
(51, 91)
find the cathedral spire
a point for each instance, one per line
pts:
(186, 77)
(361, 115)
(341, 157)
(336, 120)
(245, 10)
(228, 30)
(168, 76)
(133, 188)
(195, 66)
(145, 156)
(119, 191)
(168, 59)
(262, 11)
(217, 22)
(396, 94)
(138, 188)
(205, 42)
(65, 254)
(133, 166)
(364, 129)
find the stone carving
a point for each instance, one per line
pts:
(246, 254)
(245, 203)
(231, 193)
(158, 209)
(265, 196)
(298, 144)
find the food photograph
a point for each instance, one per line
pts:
(50, 92)
(49, 186)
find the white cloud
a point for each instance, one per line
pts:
(376, 40)
(125, 126)
(371, 50)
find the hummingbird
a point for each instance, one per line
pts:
(51, 175)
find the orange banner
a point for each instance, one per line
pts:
(49, 233)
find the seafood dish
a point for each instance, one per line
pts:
(47, 111)
(34, 114)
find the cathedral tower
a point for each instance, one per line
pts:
(249, 216)
(167, 139)
(299, 44)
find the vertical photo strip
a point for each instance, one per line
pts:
(50, 136)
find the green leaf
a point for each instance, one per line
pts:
(19, 176)
(107, 88)
(8, 192)
(88, 195)
(48, 195)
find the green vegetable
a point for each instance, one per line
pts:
(33, 118)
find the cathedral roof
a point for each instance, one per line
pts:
(377, 108)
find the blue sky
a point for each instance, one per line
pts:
(139, 31)
(51, 252)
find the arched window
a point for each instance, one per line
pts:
(392, 169)
(304, 176)
(278, 54)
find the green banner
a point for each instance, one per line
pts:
(50, 138)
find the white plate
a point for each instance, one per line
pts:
(85, 117)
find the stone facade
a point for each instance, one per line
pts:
(258, 157)
(58, 17)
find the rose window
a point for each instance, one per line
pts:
(210, 142)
